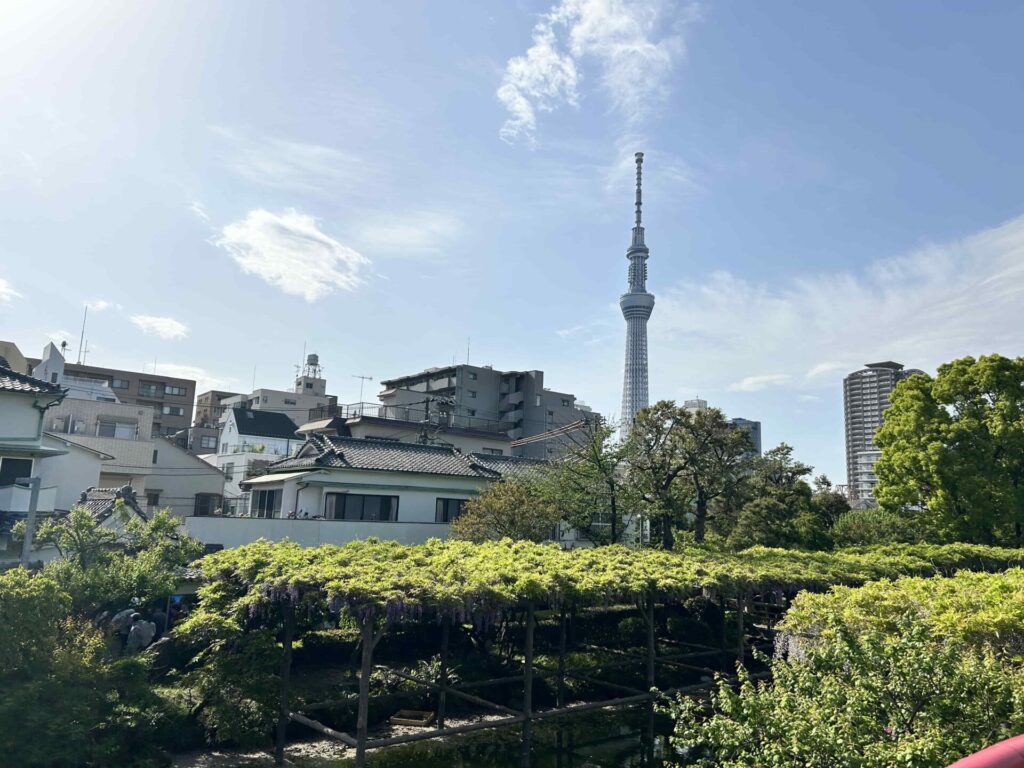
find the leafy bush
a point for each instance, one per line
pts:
(865, 527)
(880, 700)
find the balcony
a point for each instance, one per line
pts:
(15, 498)
(415, 413)
(510, 401)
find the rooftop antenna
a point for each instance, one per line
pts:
(85, 351)
(82, 335)
(254, 378)
(64, 348)
(362, 380)
(467, 349)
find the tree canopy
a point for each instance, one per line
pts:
(952, 451)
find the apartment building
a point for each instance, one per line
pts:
(514, 403)
(170, 398)
(752, 428)
(866, 396)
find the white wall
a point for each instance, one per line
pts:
(19, 420)
(70, 473)
(235, 531)
(178, 476)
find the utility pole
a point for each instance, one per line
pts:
(30, 523)
(81, 337)
(362, 380)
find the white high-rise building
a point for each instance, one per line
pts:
(637, 306)
(865, 397)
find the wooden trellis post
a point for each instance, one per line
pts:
(562, 632)
(527, 686)
(369, 639)
(741, 652)
(651, 640)
(442, 694)
(286, 670)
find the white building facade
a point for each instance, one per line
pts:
(339, 489)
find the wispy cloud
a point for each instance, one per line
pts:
(163, 327)
(937, 303)
(290, 165)
(60, 335)
(204, 379)
(757, 383)
(634, 44)
(197, 209)
(7, 292)
(98, 305)
(414, 232)
(289, 251)
(568, 333)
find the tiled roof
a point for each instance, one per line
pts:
(12, 381)
(101, 501)
(510, 466)
(384, 455)
(264, 423)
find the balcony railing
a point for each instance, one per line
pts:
(416, 413)
(15, 498)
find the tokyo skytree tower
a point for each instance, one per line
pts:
(637, 306)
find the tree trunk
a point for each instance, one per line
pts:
(668, 539)
(285, 674)
(700, 523)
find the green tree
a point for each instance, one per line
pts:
(589, 488)
(829, 504)
(781, 510)
(680, 462)
(509, 509)
(952, 451)
(866, 527)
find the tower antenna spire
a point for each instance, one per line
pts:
(639, 178)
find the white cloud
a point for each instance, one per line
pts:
(98, 305)
(288, 250)
(567, 333)
(204, 379)
(60, 335)
(413, 232)
(620, 36)
(7, 292)
(820, 369)
(291, 165)
(199, 211)
(164, 327)
(757, 383)
(929, 306)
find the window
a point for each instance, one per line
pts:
(566, 402)
(53, 377)
(471, 393)
(309, 385)
(118, 429)
(208, 441)
(265, 399)
(266, 503)
(229, 471)
(116, 383)
(536, 400)
(471, 411)
(154, 456)
(176, 391)
(448, 509)
(12, 469)
(172, 410)
(206, 504)
(472, 376)
(493, 452)
(290, 402)
(151, 389)
(551, 415)
(153, 499)
(354, 506)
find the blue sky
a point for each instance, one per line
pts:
(827, 184)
